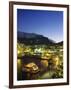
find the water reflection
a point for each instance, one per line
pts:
(30, 68)
(29, 76)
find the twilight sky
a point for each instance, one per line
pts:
(46, 23)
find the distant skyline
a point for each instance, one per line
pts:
(43, 22)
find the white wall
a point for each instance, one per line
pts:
(4, 46)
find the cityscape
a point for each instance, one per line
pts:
(39, 61)
(39, 44)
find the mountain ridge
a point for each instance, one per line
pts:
(32, 38)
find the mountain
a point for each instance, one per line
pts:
(32, 38)
(60, 43)
(27, 35)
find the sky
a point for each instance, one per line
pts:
(43, 22)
